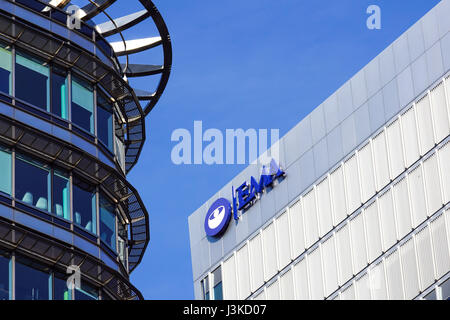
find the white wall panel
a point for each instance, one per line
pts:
(440, 246)
(410, 137)
(301, 279)
(338, 193)
(377, 278)
(381, 161)
(315, 274)
(432, 184)
(362, 288)
(229, 279)
(425, 258)
(373, 231)
(324, 207)
(273, 291)
(297, 231)
(256, 263)
(426, 135)
(348, 293)
(330, 266)
(387, 217)
(283, 241)
(395, 145)
(352, 184)
(344, 254)
(366, 172)
(310, 218)
(287, 286)
(402, 208)
(409, 267)
(444, 163)
(270, 252)
(359, 251)
(417, 192)
(440, 115)
(394, 276)
(243, 272)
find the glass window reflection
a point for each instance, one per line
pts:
(84, 207)
(83, 105)
(105, 121)
(31, 283)
(5, 69)
(107, 222)
(4, 278)
(61, 195)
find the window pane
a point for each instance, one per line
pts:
(83, 105)
(105, 121)
(5, 165)
(86, 292)
(59, 93)
(31, 284)
(32, 183)
(4, 278)
(5, 70)
(107, 223)
(61, 196)
(61, 291)
(218, 294)
(84, 207)
(32, 81)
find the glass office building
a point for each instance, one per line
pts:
(71, 127)
(363, 211)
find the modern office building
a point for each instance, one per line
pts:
(71, 128)
(362, 209)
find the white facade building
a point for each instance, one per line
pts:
(363, 212)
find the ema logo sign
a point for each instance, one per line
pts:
(219, 214)
(218, 217)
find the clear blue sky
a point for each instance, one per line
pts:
(242, 64)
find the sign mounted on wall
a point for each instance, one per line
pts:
(244, 197)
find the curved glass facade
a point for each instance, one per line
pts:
(71, 127)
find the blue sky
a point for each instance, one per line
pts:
(241, 64)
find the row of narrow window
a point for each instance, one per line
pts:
(47, 87)
(51, 190)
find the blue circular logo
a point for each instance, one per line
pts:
(218, 217)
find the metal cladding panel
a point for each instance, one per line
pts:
(301, 279)
(270, 252)
(287, 286)
(310, 218)
(283, 240)
(343, 244)
(367, 172)
(362, 287)
(348, 293)
(402, 208)
(242, 264)
(378, 282)
(425, 125)
(439, 111)
(425, 258)
(444, 155)
(394, 276)
(273, 291)
(324, 207)
(417, 192)
(229, 279)
(395, 147)
(373, 231)
(409, 268)
(330, 267)
(351, 175)
(432, 184)
(256, 262)
(380, 160)
(359, 252)
(440, 246)
(338, 195)
(315, 273)
(409, 129)
(387, 217)
(297, 233)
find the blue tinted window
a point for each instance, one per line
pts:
(107, 222)
(31, 284)
(5, 165)
(218, 293)
(83, 105)
(5, 70)
(59, 93)
(105, 121)
(61, 196)
(4, 278)
(84, 207)
(61, 291)
(32, 183)
(32, 81)
(86, 292)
